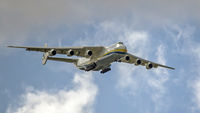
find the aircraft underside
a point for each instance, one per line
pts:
(102, 64)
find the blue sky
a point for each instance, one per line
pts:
(166, 32)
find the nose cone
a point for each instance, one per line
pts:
(120, 43)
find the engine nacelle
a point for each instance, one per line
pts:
(52, 52)
(138, 62)
(70, 53)
(149, 65)
(88, 53)
(127, 58)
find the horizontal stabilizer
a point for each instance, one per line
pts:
(69, 60)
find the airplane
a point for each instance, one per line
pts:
(93, 58)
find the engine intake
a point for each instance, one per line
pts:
(138, 62)
(70, 53)
(88, 53)
(52, 52)
(149, 65)
(127, 58)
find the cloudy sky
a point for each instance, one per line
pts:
(164, 31)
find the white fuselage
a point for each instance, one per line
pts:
(104, 60)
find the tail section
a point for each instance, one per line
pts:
(45, 45)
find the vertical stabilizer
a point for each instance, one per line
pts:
(45, 57)
(45, 45)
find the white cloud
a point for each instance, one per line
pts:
(159, 77)
(136, 42)
(19, 19)
(136, 79)
(160, 73)
(187, 46)
(79, 99)
(161, 59)
(196, 87)
(195, 84)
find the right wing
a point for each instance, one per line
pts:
(132, 59)
(78, 51)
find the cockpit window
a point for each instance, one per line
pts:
(120, 42)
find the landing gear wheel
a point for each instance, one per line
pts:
(105, 70)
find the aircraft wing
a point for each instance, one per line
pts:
(77, 51)
(63, 59)
(132, 59)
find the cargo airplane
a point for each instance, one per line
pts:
(93, 58)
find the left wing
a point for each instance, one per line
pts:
(77, 51)
(129, 58)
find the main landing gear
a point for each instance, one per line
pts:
(105, 70)
(90, 67)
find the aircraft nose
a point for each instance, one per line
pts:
(121, 43)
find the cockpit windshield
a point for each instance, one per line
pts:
(120, 43)
(117, 45)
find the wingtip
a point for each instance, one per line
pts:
(15, 46)
(10, 46)
(172, 68)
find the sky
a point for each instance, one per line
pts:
(163, 31)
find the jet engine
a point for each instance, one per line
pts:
(70, 53)
(52, 52)
(47, 54)
(88, 53)
(149, 65)
(127, 58)
(138, 62)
